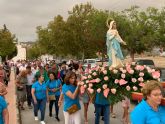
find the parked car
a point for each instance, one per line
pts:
(92, 62)
(147, 62)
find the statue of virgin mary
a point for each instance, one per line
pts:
(113, 41)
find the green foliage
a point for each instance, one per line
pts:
(83, 33)
(7, 46)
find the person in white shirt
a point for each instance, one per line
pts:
(30, 81)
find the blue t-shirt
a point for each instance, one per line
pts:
(68, 102)
(40, 90)
(3, 105)
(54, 84)
(144, 114)
(101, 100)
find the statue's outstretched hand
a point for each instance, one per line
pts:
(124, 43)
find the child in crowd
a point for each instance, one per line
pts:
(126, 105)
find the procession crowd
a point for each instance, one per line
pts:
(39, 83)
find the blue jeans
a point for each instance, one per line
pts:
(106, 113)
(41, 105)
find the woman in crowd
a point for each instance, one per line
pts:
(71, 106)
(21, 82)
(2, 74)
(39, 95)
(54, 85)
(149, 110)
(4, 114)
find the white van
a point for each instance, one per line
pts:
(92, 62)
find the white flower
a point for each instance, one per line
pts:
(124, 71)
(141, 74)
(85, 86)
(89, 76)
(121, 69)
(105, 86)
(90, 84)
(99, 90)
(134, 88)
(116, 81)
(140, 79)
(94, 74)
(87, 81)
(106, 78)
(133, 63)
(105, 72)
(133, 80)
(98, 80)
(123, 75)
(115, 71)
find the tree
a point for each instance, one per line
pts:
(7, 44)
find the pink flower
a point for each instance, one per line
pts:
(89, 76)
(105, 72)
(92, 81)
(141, 74)
(122, 82)
(102, 68)
(98, 80)
(90, 90)
(139, 67)
(106, 78)
(94, 74)
(81, 83)
(128, 88)
(104, 86)
(82, 89)
(106, 92)
(141, 84)
(87, 81)
(90, 71)
(140, 79)
(83, 78)
(134, 88)
(113, 90)
(133, 80)
(131, 71)
(123, 76)
(156, 74)
(90, 84)
(99, 90)
(116, 81)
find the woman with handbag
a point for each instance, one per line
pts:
(70, 91)
(54, 85)
(39, 95)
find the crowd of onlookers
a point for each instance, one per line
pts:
(38, 83)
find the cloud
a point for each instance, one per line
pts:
(23, 16)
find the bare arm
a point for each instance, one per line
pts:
(33, 95)
(73, 95)
(6, 116)
(60, 100)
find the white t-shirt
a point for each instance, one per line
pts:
(30, 78)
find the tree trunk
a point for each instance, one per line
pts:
(132, 56)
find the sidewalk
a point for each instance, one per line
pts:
(11, 99)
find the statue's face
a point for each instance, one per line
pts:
(114, 25)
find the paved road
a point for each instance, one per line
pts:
(28, 118)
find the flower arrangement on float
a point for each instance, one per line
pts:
(115, 83)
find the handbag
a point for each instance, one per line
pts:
(74, 108)
(52, 97)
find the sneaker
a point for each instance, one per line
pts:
(57, 118)
(36, 118)
(42, 122)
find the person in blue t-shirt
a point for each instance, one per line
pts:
(149, 110)
(54, 85)
(4, 114)
(40, 96)
(102, 104)
(70, 91)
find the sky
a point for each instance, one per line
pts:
(23, 16)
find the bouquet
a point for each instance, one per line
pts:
(115, 83)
